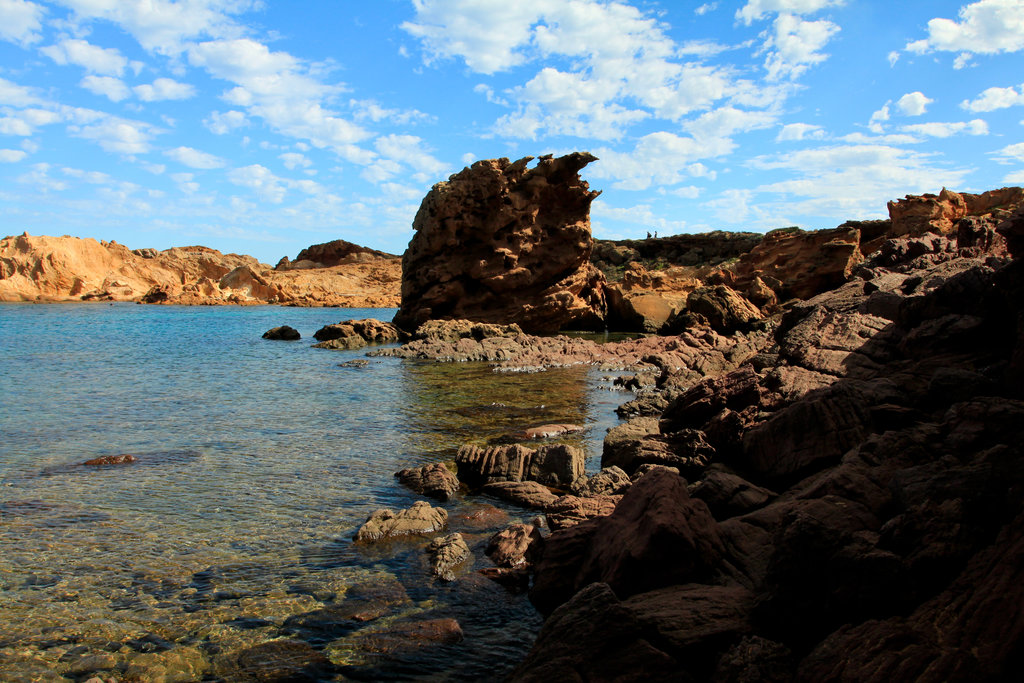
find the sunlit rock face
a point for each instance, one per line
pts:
(501, 242)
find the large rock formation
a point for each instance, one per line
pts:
(74, 269)
(501, 242)
(918, 214)
(862, 516)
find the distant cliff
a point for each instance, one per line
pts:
(47, 269)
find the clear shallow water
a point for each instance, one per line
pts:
(257, 461)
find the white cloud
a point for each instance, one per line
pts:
(164, 89)
(112, 88)
(795, 45)
(996, 98)
(853, 181)
(20, 21)
(799, 131)
(12, 125)
(1016, 178)
(1013, 152)
(222, 123)
(728, 121)
(946, 130)
(372, 110)
(11, 156)
(114, 134)
(705, 8)
(278, 87)
(267, 186)
(185, 182)
(985, 27)
(757, 9)
(660, 158)
(622, 66)
(164, 26)
(913, 103)
(294, 160)
(195, 158)
(94, 59)
(489, 36)
(17, 95)
(409, 150)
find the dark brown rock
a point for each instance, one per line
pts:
(503, 243)
(283, 332)
(657, 536)
(728, 495)
(594, 637)
(435, 480)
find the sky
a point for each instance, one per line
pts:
(264, 126)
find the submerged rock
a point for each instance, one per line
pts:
(103, 460)
(447, 554)
(421, 518)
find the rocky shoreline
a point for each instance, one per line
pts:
(66, 269)
(819, 478)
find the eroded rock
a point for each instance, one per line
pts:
(421, 518)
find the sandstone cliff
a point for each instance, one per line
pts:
(502, 242)
(74, 269)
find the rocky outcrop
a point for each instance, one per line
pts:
(73, 269)
(794, 263)
(858, 509)
(336, 253)
(419, 519)
(502, 242)
(917, 214)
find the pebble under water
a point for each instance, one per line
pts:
(225, 551)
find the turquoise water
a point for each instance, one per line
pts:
(257, 461)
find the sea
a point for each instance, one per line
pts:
(257, 461)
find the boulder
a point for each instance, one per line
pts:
(724, 309)
(657, 536)
(284, 332)
(609, 481)
(435, 480)
(278, 660)
(336, 253)
(569, 511)
(552, 465)
(354, 334)
(447, 554)
(514, 546)
(419, 519)
(500, 242)
(529, 494)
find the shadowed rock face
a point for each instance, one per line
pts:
(500, 242)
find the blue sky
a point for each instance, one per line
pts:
(261, 127)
